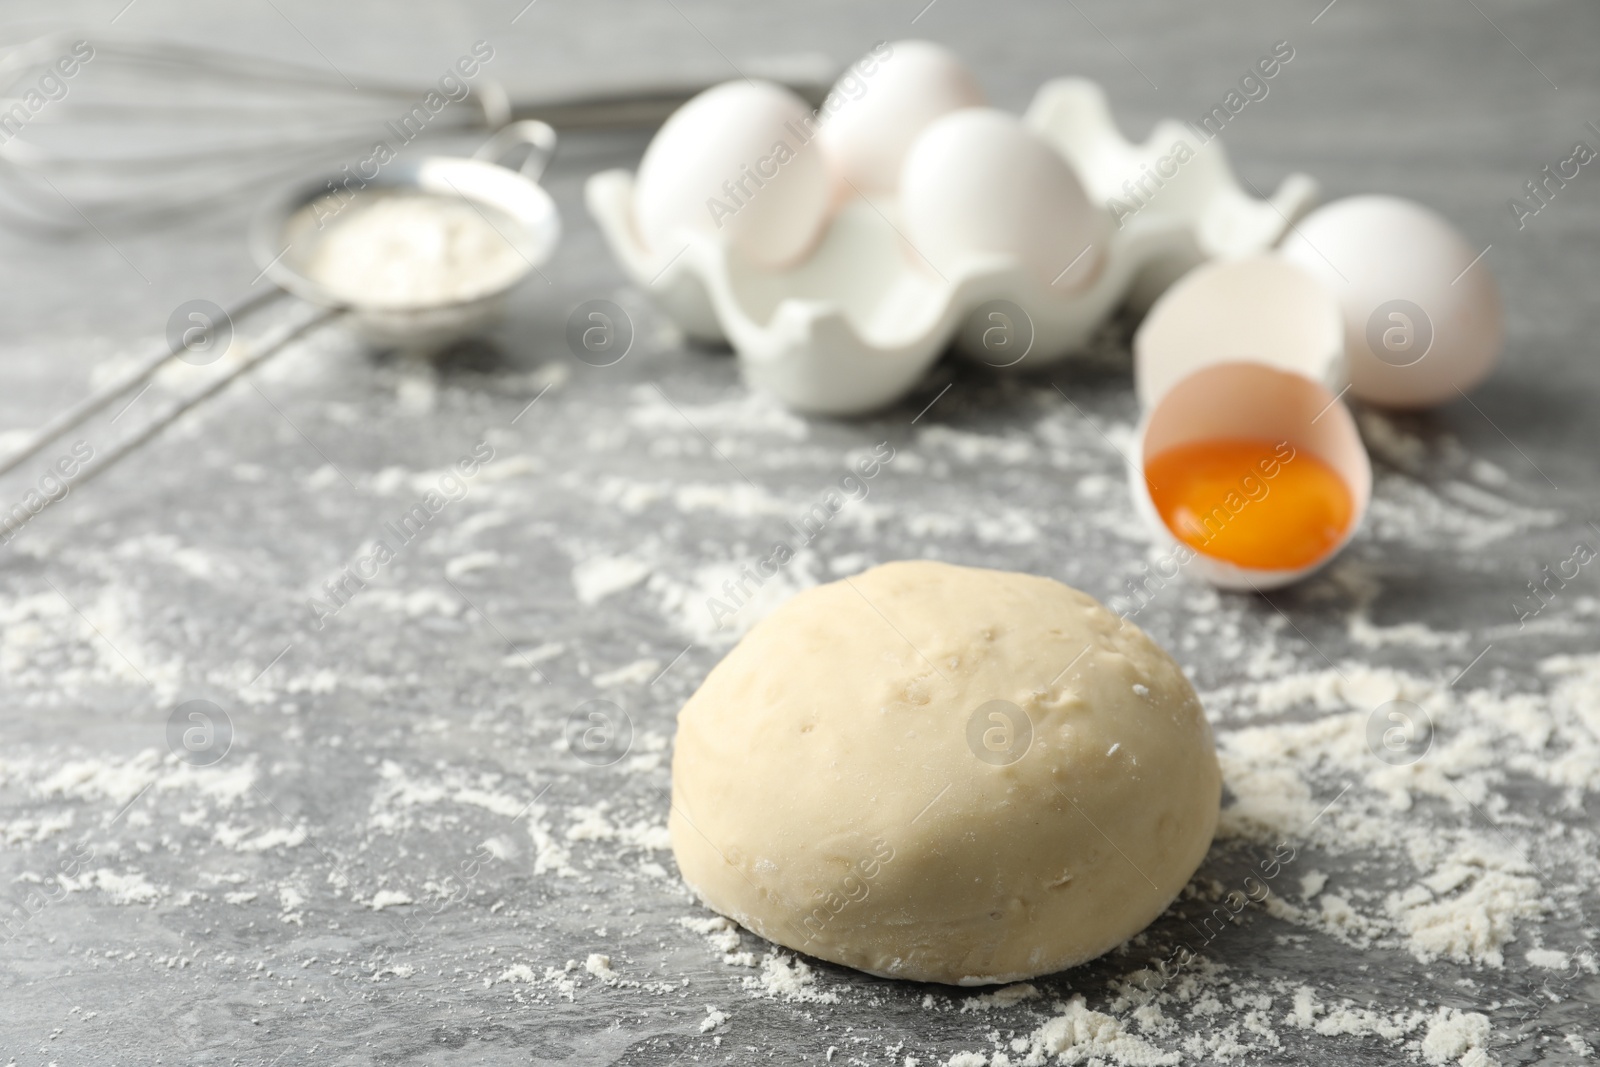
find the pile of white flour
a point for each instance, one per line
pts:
(398, 250)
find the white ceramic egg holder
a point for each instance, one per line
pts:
(857, 323)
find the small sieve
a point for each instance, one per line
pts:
(284, 234)
(289, 228)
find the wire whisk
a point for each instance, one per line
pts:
(110, 131)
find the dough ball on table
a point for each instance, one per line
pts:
(944, 774)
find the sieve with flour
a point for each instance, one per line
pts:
(423, 254)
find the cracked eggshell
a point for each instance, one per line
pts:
(882, 103)
(1262, 309)
(1422, 313)
(736, 164)
(979, 182)
(1250, 400)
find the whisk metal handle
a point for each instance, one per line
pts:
(97, 401)
(635, 108)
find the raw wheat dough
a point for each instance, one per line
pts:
(826, 796)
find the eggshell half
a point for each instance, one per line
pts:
(1422, 314)
(1249, 400)
(1259, 309)
(882, 103)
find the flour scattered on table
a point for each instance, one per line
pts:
(599, 577)
(1411, 910)
(1078, 1035)
(722, 935)
(600, 966)
(636, 673)
(1006, 997)
(1459, 1036)
(388, 898)
(786, 977)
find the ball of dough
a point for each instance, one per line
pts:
(944, 774)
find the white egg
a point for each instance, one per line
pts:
(1422, 316)
(740, 163)
(978, 181)
(880, 105)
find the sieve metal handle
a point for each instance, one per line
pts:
(536, 137)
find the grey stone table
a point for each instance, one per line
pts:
(400, 859)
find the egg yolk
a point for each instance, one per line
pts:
(1258, 504)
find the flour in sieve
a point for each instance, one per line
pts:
(415, 250)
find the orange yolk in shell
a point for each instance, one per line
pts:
(1258, 504)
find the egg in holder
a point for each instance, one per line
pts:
(1014, 239)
